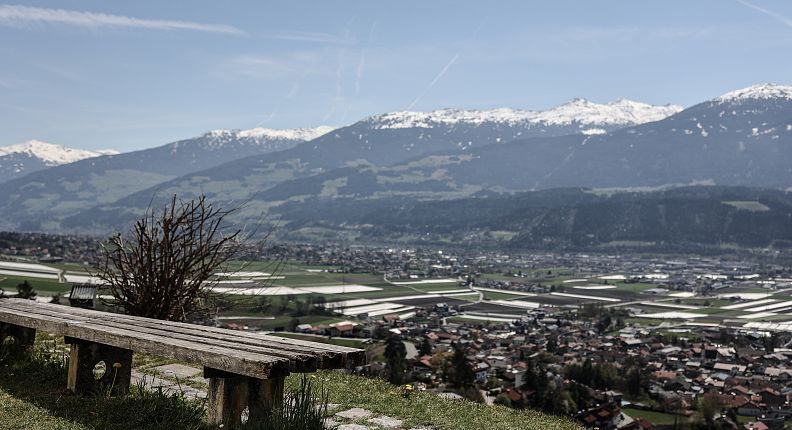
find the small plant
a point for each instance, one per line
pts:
(25, 291)
(407, 391)
(302, 410)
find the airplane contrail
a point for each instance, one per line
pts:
(435, 80)
(777, 16)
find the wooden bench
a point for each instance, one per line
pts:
(245, 370)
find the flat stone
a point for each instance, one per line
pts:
(154, 383)
(352, 427)
(387, 422)
(178, 371)
(329, 407)
(330, 423)
(354, 414)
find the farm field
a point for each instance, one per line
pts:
(367, 294)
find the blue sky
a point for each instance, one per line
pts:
(137, 74)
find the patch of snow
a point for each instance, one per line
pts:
(620, 112)
(593, 131)
(758, 92)
(51, 154)
(262, 134)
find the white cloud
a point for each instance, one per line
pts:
(24, 16)
(308, 36)
(261, 67)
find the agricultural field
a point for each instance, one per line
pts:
(281, 295)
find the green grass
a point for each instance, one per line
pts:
(32, 396)
(428, 410)
(44, 287)
(657, 418)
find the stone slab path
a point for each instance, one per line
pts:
(362, 419)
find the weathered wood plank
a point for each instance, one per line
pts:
(300, 362)
(248, 364)
(235, 333)
(304, 359)
(331, 356)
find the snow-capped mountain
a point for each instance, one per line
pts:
(52, 154)
(757, 92)
(580, 112)
(258, 139)
(262, 134)
(82, 183)
(23, 158)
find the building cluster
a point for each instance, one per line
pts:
(624, 379)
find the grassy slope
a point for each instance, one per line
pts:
(33, 396)
(423, 409)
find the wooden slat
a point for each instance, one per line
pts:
(230, 360)
(318, 358)
(270, 338)
(331, 356)
(299, 362)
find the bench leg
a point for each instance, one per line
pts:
(264, 396)
(227, 399)
(22, 335)
(84, 357)
(230, 394)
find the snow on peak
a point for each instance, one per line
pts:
(758, 92)
(260, 134)
(620, 112)
(52, 154)
(409, 119)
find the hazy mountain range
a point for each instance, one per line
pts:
(743, 138)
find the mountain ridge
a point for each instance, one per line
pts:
(714, 142)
